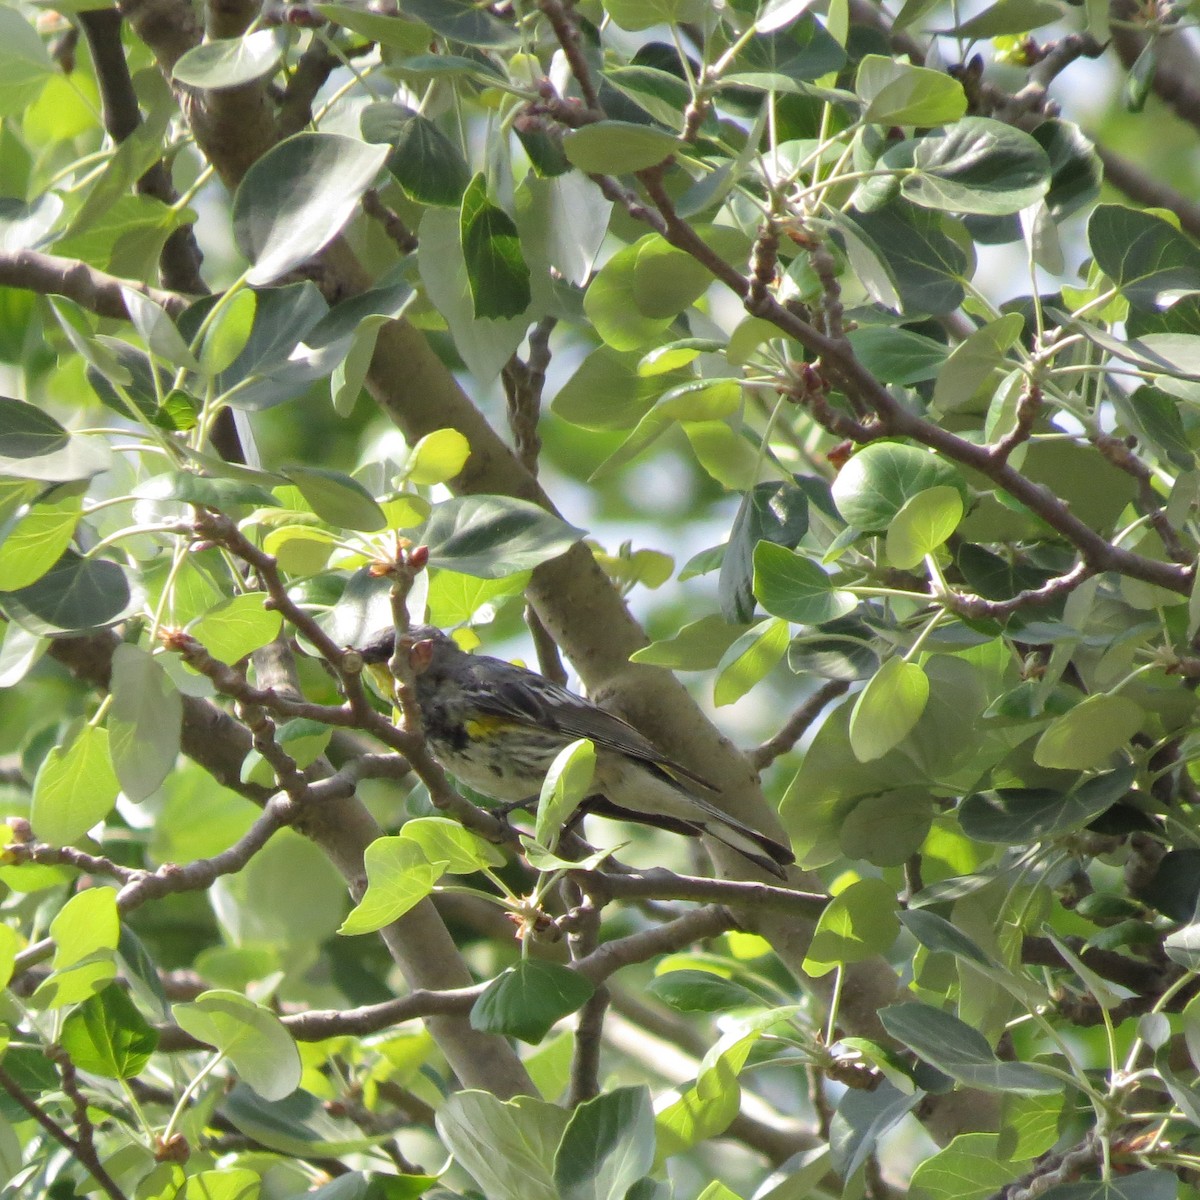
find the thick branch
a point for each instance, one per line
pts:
(95, 290)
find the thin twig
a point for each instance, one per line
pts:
(589, 1024)
(795, 727)
(74, 1146)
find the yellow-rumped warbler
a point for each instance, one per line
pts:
(497, 727)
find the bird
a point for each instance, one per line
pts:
(498, 727)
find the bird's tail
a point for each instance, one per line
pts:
(705, 818)
(763, 851)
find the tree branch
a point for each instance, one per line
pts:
(95, 290)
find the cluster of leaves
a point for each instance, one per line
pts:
(1001, 570)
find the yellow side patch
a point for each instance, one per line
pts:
(484, 726)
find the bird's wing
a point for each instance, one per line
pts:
(520, 695)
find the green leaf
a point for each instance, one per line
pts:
(445, 841)
(399, 876)
(974, 361)
(565, 787)
(618, 147)
(905, 259)
(896, 93)
(437, 457)
(75, 595)
(85, 933)
(749, 660)
(491, 246)
(775, 512)
(888, 828)
(107, 1035)
(922, 525)
(156, 329)
(1090, 734)
(527, 1000)
(793, 587)
(508, 1147)
(74, 788)
(462, 22)
(703, 1111)
(858, 923)
(237, 627)
(25, 66)
(494, 536)
(701, 991)
(229, 333)
(33, 541)
(978, 166)
(252, 1037)
(295, 199)
(299, 1126)
(1015, 816)
(896, 355)
(211, 492)
(636, 15)
(880, 479)
(698, 646)
(970, 1168)
(144, 722)
(887, 709)
(696, 400)
(426, 164)
(606, 391)
(454, 598)
(336, 498)
(230, 62)
(33, 445)
(1144, 255)
(607, 1146)
(961, 1051)
(1008, 17)
(609, 304)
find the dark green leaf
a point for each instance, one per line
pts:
(978, 166)
(33, 445)
(491, 246)
(426, 164)
(1175, 888)
(1144, 255)
(1013, 816)
(895, 355)
(961, 1051)
(75, 595)
(1140, 1185)
(777, 512)
(493, 536)
(924, 266)
(461, 22)
(526, 1000)
(1007, 17)
(862, 1118)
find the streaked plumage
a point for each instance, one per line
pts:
(497, 727)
